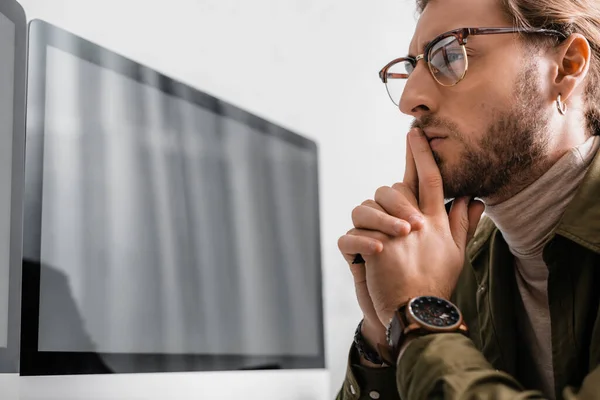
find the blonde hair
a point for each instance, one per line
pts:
(567, 16)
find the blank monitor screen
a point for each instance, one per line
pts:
(172, 231)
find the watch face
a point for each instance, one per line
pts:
(435, 313)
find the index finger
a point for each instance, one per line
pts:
(411, 179)
(431, 188)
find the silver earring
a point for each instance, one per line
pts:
(562, 107)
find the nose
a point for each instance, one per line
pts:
(420, 93)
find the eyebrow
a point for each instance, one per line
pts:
(424, 47)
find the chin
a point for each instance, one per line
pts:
(452, 189)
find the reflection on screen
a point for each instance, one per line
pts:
(173, 229)
(7, 65)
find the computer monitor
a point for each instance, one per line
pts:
(165, 229)
(13, 67)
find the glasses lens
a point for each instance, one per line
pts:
(396, 79)
(448, 61)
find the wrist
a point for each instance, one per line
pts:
(374, 333)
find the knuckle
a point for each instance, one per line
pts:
(369, 203)
(381, 192)
(400, 186)
(356, 214)
(340, 243)
(373, 204)
(433, 180)
(346, 244)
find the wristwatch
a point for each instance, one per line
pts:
(421, 316)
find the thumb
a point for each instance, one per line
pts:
(464, 217)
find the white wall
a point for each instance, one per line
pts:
(309, 65)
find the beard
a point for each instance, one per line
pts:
(511, 154)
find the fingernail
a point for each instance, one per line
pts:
(399, 226)
(373, 247)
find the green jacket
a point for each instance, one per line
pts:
(489, 365)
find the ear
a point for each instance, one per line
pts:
(572, 62)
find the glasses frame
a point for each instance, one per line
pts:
(461, 36)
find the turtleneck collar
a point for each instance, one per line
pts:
(528, 219)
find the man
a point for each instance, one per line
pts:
(505, 95)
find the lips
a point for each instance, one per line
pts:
(434, 135)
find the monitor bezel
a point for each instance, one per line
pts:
(34, 362)
(9, 355)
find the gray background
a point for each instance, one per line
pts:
(179, 231)
(7, 54)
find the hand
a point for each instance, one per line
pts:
(428, 261)
(371, 222)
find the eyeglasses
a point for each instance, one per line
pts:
(446, 57)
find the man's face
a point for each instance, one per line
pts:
(495, 120)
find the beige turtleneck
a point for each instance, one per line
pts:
(527, 221)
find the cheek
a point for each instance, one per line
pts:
(471, 122)
(486, 90)
(477, 109)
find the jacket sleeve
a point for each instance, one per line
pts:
(448, 366)
(364, 383)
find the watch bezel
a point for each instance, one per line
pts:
(430, 327)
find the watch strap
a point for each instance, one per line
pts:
(398, 330)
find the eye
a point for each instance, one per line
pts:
(455, 56)
(448, 61)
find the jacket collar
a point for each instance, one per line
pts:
(581, 220)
